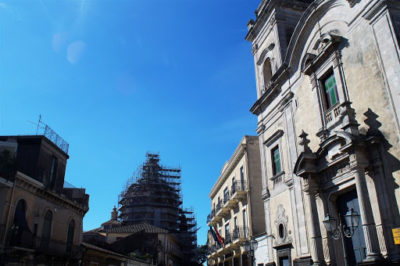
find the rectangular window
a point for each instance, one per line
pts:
(284, 261)
(227, 229)
(276, 161)
(233, 188)
(226, 195)
(242, 177)
(330, 89)
(245, 222)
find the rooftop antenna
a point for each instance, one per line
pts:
(38, 124)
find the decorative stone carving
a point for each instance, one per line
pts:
(304, 142)
(281, 223)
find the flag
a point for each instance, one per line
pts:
(219, 237)
(213, 234)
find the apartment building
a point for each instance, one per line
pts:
(237, 211)
(40, 215)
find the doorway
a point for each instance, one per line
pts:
(355, 245)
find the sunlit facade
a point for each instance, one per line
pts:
(328, 94)
(237, 211)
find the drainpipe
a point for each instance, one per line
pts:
(165, 248)
(8, 216)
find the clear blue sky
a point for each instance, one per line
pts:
(118, 78)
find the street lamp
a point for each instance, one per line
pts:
(352, 220)
(250, 247)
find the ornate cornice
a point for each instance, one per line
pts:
(272, 91)
(231, 164)
(265, 10)
(38, 189)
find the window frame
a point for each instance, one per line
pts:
(275, 171)
(226, 195)
(70, 235)
(272, 143)
(47, 228)
(329, 63)
(326, 99)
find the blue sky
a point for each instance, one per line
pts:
(119, 78)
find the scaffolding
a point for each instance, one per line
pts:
(153, 195)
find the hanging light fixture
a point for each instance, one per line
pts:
(329, 223)
(352, 220)
(331, 226)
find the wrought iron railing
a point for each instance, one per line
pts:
(238, 188)
(228, 238)
(219, 206)
(226, 197)
(213, 248)
(49, 133)
(209, 218)
(240, 232)
(23, 238)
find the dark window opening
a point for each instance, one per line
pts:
(70, 235)
(242, 178)
(267, 72)
(281, 231)
(20, 233)
(46, 232)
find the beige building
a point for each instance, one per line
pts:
(237, 210)
(328, 107)
(148, 243)
(40, 218)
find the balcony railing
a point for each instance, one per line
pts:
(218, 207)
(228, 239)
(23, 238)
(213, 248)
(226, 197)
(209, 218)
(240, 232)
(238, 190)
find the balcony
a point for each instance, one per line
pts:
(213, 249)
(213, 217)
(240, 234)
(238, 192)
(22, 239)
(209, 218)
(232, 240)
(224, 210)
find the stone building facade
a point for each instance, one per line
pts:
(40, 218)
(237, 211)
(328, 107)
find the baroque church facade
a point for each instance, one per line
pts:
(328, 108)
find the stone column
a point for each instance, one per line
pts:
(326, 241)
(314, 233)
(367, 219)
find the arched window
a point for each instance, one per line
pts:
(267, 72)
(70, 235)
(19, 225)
(46, 232)
(20, 214)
